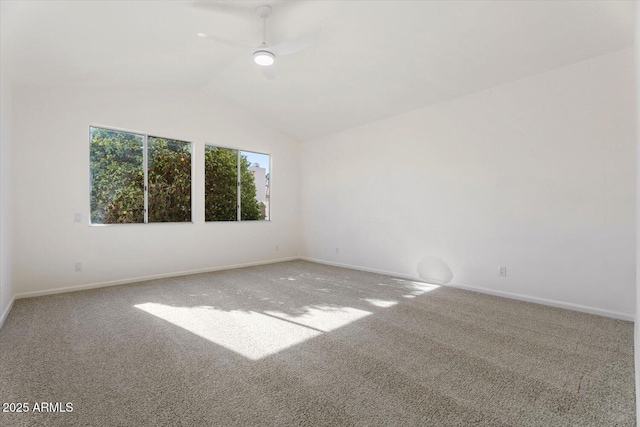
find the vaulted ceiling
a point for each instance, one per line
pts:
(371, 60)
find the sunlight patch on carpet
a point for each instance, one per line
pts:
(323, 318)
(416, 288)
(251, 334)
(380, 302)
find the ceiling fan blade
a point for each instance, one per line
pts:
(288, 47)
(268, 72)
(225, 41)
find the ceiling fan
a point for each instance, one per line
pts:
(265, 55)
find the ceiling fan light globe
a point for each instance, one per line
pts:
(264, 58)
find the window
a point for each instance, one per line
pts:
(138, 178)
(236, 185)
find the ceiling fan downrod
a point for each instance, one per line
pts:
(262, 56)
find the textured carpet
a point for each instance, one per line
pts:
(299, 343)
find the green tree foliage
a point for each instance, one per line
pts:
(117, 181)
(169, 180)
(220, 184)
(221, 188)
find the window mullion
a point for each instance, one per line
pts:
(145, 163)
(239, 188)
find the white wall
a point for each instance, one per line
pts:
(6, 287)
(537, 175)
(51, 183)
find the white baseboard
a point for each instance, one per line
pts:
(550, 302)
(147, 278)
(5, 313)
(520, 297)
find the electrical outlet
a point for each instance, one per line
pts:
(502, 271)
(337, 250)
(78, 267)
(77, 217)
(277, 247)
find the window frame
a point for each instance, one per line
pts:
(145, 167)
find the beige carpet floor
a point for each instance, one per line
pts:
(299, 343)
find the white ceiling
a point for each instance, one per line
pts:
(373, 59)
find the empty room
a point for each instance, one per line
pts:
(319, 213)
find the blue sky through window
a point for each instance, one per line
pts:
(261, 159)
